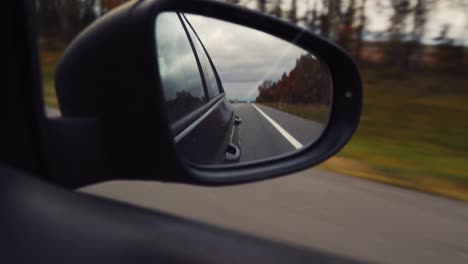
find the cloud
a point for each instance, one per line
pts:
(244, 57)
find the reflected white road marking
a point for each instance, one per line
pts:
(282, 131)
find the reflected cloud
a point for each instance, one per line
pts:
(244, 57)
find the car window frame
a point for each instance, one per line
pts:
(203, 90)
(185, 121)
(213, 67)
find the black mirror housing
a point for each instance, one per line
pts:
(108, 82)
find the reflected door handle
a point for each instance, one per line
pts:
(232, 152)
(237, 120)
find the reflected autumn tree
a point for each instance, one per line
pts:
(307, 83)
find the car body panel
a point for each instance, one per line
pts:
(206, 134)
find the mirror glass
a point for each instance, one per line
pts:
(236, 95)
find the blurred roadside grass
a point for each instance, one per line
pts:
(48, 62)
(413, 131)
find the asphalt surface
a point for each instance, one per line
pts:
(342, 215)
(261, 140)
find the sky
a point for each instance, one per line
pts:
(244, 57)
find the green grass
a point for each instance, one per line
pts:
(413, 132)
(48, 63)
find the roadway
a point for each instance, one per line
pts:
(338, 214)
(260, 139)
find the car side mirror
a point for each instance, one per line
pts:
(202, 92)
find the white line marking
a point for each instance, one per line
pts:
(282, 131)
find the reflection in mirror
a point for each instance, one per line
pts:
(235, 94)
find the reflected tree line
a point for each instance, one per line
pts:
(307, 83)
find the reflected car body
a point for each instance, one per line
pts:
(203, 121)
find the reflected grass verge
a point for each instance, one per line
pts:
(306, 111)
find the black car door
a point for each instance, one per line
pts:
(202, 117)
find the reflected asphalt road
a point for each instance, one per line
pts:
(260, 139)
(321, 210)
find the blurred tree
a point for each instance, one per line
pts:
(292, 13)
(463, 43)
(107, 5)
(344, 22)
(404, 46)
(89, 11)
(48, 17)
(420, 13)
(360, 30)
(346, 28)
(311, 17)
(233, 1)
(261, 5)
(330, 19)
(396, 50)
(276, 10)
(61, 20)
(449, 55)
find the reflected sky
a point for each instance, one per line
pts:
(244, 57)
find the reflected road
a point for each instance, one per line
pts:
(260, 139)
